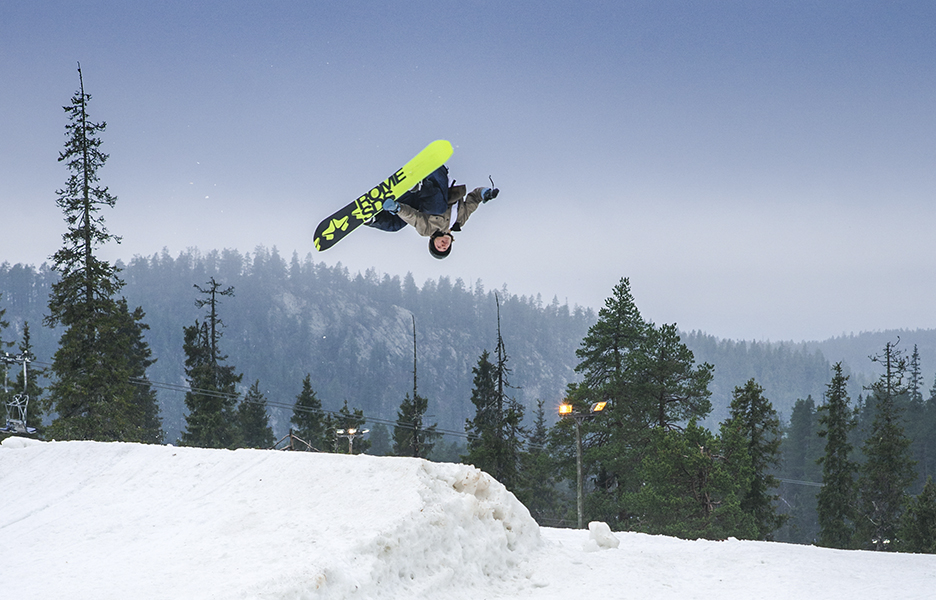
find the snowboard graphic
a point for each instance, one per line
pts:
(333, 229)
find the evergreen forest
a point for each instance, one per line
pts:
(584, 415)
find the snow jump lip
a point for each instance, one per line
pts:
(119, 520)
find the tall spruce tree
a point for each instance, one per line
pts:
(918, 523)
(619, 332)
(92, 391)
(693, 484)
(671, 389)
(410, 436)
(613, 444)
(495, 435)
(917, 427)
(652, 383)
(800, 450)
(308, 417)
(538, 488)
(253, 421)
(379, 438)
(753, 417)
(927, 456)
(838, 497)
(211, 400)
(888, 468)
(140, 358)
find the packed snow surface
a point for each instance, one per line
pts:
(94, 520)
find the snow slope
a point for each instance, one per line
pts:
(93, 520)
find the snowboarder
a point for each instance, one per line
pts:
(434, 208)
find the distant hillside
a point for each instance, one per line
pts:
(854, 350)
(353, 333)
(786, 372)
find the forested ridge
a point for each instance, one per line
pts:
(352, 332)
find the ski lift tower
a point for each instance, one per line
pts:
(16, 407)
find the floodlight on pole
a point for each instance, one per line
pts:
(351, 433)
(567, 410)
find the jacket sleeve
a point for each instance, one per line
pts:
(467, 206)
(424, 224)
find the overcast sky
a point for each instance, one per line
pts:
(759, 170)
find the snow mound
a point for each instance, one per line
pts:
(98, 521)
(600, 537)
(133, 521)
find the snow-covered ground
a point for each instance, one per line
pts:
(93, 520)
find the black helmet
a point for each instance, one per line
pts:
(433, 250)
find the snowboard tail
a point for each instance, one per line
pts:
(334, 228)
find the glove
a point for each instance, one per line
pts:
(488, 194)
(391, 206)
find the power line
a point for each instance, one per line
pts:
(175, 387)
(798, 482)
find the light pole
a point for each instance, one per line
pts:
(566, 410)
(351, 434)
(16, 407)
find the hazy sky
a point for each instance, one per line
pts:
(760, 170)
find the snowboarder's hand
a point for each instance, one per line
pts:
(488, 194)
(391, 206)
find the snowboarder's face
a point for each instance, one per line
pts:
(442, 242)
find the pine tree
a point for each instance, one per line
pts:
(652, 383)
(838, 496)
(210, 422)
(329, 439)
(916, 427)
(379, 438)
(307, 417)
(619, 332)
(918, 523)
(671, 389)
(537, 486)
(927, 429)
(888, 469)
(92, 393)
(800, 450)
(754, 418)
(494, 431)
(613, 445)
(694, 484)
(410, 437)
(495, 435)
(253, 421)
(146, 405)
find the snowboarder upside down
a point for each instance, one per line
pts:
(434, 208)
